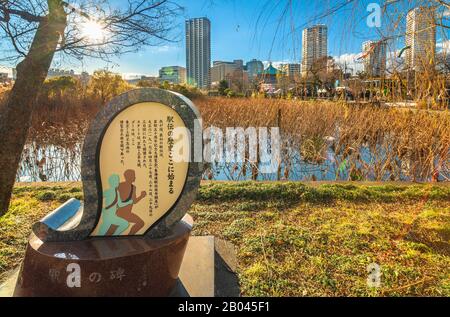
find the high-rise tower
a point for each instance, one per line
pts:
(198, 52)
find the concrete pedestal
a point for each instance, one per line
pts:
(208, 269)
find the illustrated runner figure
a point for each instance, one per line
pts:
(127, 194)
(112, 203)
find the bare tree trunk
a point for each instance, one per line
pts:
(15, 115)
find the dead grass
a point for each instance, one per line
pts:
(360, 142)
(372, 143)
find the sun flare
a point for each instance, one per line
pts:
(93, 31)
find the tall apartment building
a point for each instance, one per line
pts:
(198, 52)
(375, 58)
(173, 74)
(314, 47)
(420, 38)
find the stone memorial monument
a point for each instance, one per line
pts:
(129, 236)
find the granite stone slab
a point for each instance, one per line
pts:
(90, 169)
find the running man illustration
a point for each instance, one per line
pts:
(112, 202)
(127, 194)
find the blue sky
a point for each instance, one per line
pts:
(238, 34)
(258, 29)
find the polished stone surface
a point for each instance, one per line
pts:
(91, 173)
(118, 267)
(217, 272)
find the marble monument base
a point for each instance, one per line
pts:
(117, 267)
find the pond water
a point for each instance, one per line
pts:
(56, 164)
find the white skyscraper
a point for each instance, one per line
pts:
(314, 47)
(375, 59)
(198, 52)
(420, 38)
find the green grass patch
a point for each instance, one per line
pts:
(294, 239)
(297, 192)
(298, 240)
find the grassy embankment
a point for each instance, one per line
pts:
(298, 240)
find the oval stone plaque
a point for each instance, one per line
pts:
(139, 169)
(141, 176)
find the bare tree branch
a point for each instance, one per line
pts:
(126, 28)
(444, 3)
(24, 15)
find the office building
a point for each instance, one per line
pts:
(173, 74)
(293, 71)
(232, 72)
(222, 70)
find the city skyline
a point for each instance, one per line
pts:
(234, 22)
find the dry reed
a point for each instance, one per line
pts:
(334, 140)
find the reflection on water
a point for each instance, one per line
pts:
(55, 164)
(50, 163)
